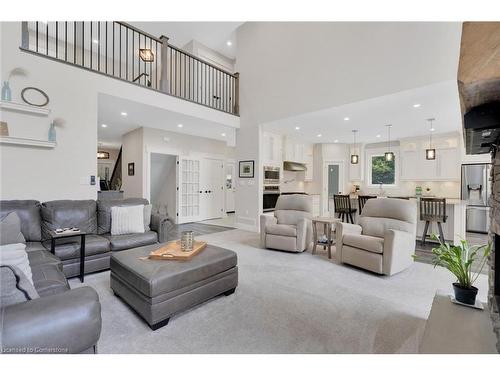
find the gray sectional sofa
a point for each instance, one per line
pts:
(52, 318)
(93, 217)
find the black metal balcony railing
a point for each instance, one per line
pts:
(122, 51)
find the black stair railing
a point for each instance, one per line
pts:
(122, 51)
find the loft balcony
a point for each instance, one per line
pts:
(123, 52)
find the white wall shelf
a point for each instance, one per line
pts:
(27, 142)
(25, 108)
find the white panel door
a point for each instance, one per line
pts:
(212, 187)
(189, 190)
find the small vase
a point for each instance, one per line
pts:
(465, 295)
(52, 133)
(6, 93)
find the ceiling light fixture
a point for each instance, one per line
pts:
(297, 128)
(378, 136)
(430, 153)
(416, 105)
(180, 125)
(146, 55)
(346, 118)
(354, 156)
(102, 155)
(229, 43)
(124, 113)
(223, 134)
(336, 141)
(104, 125)
(319, 135)
(389, 155)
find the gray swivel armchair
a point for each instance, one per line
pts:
(291, 227)
(384, 240)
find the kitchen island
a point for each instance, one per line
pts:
(453, 229)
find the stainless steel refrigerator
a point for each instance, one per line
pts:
(476, 193)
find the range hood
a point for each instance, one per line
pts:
(293, 166)
(482, 128)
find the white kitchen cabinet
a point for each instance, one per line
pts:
(415, 167)
(448, 160)
(309, 161)
(272, 149)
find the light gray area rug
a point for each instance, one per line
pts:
(285, 303)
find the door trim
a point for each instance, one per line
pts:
(324, 182)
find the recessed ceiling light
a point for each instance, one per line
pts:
(95, 41)
(432, 129)
(319, 135)
(104, 125)
(180, 125)
(378, 136)
(336, 141)
(297, 128)
(229, 43)
(223, 134)
(416, 105)
(124, 113)
(346, 118)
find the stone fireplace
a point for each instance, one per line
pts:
(494, 261)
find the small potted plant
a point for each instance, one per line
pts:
(458, 260)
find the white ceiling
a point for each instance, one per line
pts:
(439, 101)
(212, 34)
(141, 115)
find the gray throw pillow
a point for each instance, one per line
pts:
(147, 217)
(15, 254)
(10, 229)
(15, 286)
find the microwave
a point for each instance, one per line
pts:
(271, 175)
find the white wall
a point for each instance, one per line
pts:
(163, 183)
(289, 68)
(213, 57)
(64, 172)
(138, 145)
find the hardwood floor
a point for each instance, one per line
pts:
(175, 230)
(424, 252)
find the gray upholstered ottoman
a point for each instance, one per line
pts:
(157, 289)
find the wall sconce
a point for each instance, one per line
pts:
(146, 55)
(102, 155)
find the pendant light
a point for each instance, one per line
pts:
(354, 156)
(430, 153)
(389, 156)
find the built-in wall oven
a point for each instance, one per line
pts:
(271, 175)
(270, 197)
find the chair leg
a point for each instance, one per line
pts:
(426, 227)
(441, 235)
(352, 221)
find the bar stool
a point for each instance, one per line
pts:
(343, 207)
(362, 200)
(433, 210)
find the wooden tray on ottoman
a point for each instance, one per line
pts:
(172, 251)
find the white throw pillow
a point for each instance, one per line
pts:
(127, 219)
(15, 254)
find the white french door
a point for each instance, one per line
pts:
(188, 176)
(212, 187)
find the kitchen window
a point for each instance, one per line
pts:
(382, 171)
